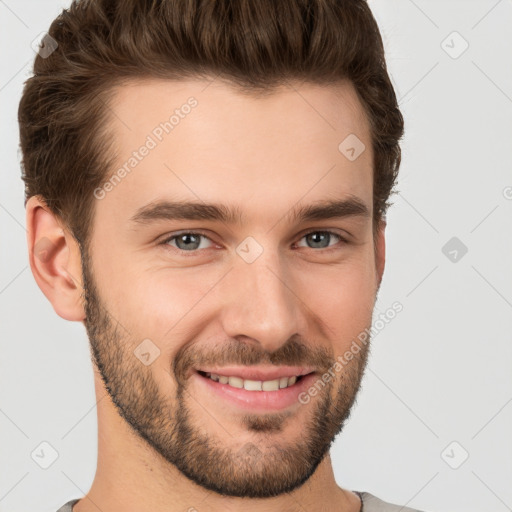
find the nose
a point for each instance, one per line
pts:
(260, 302)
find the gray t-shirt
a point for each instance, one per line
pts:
(370, 503)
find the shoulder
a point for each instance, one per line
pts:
(373, 504)
(68, 507)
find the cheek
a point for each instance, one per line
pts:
(160, 304)
(343, 298)
(163, 304)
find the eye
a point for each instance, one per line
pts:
(188, 241)
(192, 241)
(321, 239)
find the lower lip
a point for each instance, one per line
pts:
(257, 400)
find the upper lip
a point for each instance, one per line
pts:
(258, 373)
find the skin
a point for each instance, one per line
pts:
(266, 156)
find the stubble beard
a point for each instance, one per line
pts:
(261, 468)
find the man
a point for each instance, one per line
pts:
(206, 187)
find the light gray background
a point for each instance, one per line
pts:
(439, 372)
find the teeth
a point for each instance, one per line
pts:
(236, 382)
(270, 385)
(254, 385)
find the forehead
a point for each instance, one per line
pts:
(204, 140)
(143, 104)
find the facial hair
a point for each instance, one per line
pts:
(259, 469)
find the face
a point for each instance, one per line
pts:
(210, 322)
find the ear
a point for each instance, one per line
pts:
(380, 251)
(55, 260)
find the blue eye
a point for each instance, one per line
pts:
(321, 239)
(187, 241)
(192, 241)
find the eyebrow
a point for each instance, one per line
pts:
(352, 206)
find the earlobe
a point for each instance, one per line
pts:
(54, 258)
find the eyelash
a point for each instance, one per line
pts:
(166, 241)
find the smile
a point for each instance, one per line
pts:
(254, 388)
(253, 385)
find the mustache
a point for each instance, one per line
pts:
(295, 352)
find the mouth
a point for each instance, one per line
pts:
(251, 384)
(255, 389)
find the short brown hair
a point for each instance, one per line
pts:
(256, 45)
